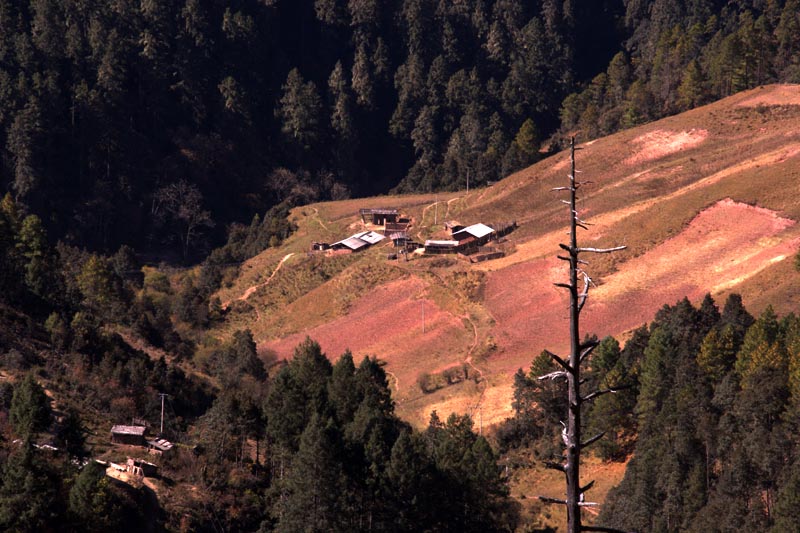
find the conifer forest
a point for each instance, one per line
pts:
(149, 148)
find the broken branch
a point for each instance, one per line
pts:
(547, 499)
(555, 466)
(593, 440)
(553, 375)
(602, 250)
(560, 361)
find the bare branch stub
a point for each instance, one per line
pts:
(602, 250)
(609, 390)
(553, 375)
(559, 360)
(555, 466)
(548, 499)
(593, 440)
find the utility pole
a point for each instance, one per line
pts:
(163, 395)
(571, 366)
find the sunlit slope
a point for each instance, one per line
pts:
(706, 201)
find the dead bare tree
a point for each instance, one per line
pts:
(570, 369)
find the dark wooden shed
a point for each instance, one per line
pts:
(133, 435)
(379, 217)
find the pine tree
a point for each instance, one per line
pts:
(29, 499)
(30, 409)
(299, 111)
(315, 483)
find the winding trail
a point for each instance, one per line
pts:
(468, 361)
(253, 288)
(321, 223)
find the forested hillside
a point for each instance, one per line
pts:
(197, 134)
(706, 412)
(156, 123)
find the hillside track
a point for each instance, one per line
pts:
(253, 288)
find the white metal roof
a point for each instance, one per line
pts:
(369, 236)
(441, 243)
(477, 230)
(161, 444)
(354, 243)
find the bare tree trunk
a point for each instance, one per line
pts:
(571, 366)
(574, 377)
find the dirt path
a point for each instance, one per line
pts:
(450, 201)
(422, 218)
(468, 361)
(253, 288)
(321, 223)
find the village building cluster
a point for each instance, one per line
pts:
(136, 435)
(470, 243)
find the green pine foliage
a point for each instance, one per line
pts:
(714, 451)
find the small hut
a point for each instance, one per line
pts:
(479, 233)
(453, 226)
(399, 238)
(441, 247)
(378, 217)
(133, 435)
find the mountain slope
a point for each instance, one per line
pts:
(706, 201)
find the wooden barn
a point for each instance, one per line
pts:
(379, 217)
(133, 435)
(477, 234)
(441, 247)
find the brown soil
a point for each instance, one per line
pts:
(659, 143)
(388, 322)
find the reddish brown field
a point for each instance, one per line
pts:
(388, 323)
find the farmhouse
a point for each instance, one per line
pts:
(395, 227)
(379, 217)
(453, 226)
(358, 241)
(474, 235)
(133, 435)
(441, 247)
